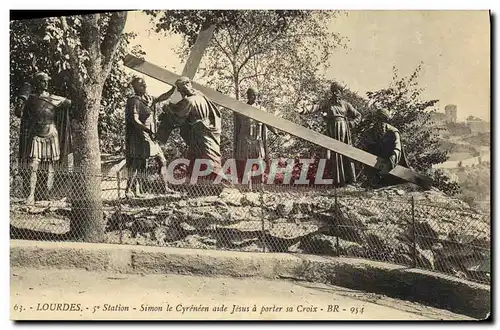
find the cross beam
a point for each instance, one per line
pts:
(244, 109)
(195, 56)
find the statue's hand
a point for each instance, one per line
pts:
(385, 167)
(392, 161)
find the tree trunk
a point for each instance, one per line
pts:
(87, 222)
(236, 118)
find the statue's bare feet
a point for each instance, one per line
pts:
(169, 190)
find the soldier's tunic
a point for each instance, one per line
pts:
(40, 136)
(339, 120)
(138, 143)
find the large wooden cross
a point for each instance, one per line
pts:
(247, 110)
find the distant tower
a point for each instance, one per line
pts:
(451, 113)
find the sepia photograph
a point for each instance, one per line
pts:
(250, 164)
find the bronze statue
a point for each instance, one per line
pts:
(383, 140)
(45, 131)
(251, 140)
(199, 120)
(340, 117)
(140, 130)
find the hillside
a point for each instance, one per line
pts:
(449, 235)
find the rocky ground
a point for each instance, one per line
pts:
(400, 224)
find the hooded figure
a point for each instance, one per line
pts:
(199, 121)
(384, 140)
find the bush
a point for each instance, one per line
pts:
(444, 181)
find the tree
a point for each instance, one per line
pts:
(412, 117)
(278, 51)
(32, 50)
(81, 52)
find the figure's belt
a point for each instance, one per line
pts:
(336, 117)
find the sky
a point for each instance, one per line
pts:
(454, 47)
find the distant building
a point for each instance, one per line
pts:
(450, 112)
(477, 125)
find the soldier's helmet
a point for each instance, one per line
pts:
(41, 76)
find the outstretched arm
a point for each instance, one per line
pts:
(19, 106)
(354, 114)
(396, 151)
(173, 116)
(165, 96)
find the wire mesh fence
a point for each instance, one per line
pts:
(422, 229)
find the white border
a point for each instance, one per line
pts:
(187, 4)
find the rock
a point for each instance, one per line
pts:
(342, 227)
(284, 208)
(182, 203)
(186, 227)
(292, 230)
(403, 259)
(374, 220)
(209, 241)
(426, 233)
(327, 245)
(319, 244)
(400, 192)
(214, 216)
(245, 242)
(253, 247)
(301, 217)
(251, 199)
(181, 214)
(367, 212)
(193, 241)
(119, 220)
(237, 214)
(425, 258)
(143, 225)
(256, 212)
(247, 226)
(295, 248)
(196, 218)
(229, 235)
(303, 207)
(375, 240)
(352, 249)
(161, 235)
(231, 196)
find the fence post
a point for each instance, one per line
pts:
(263, 227)
(337, 215)
(120, 219)
(414, 247)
